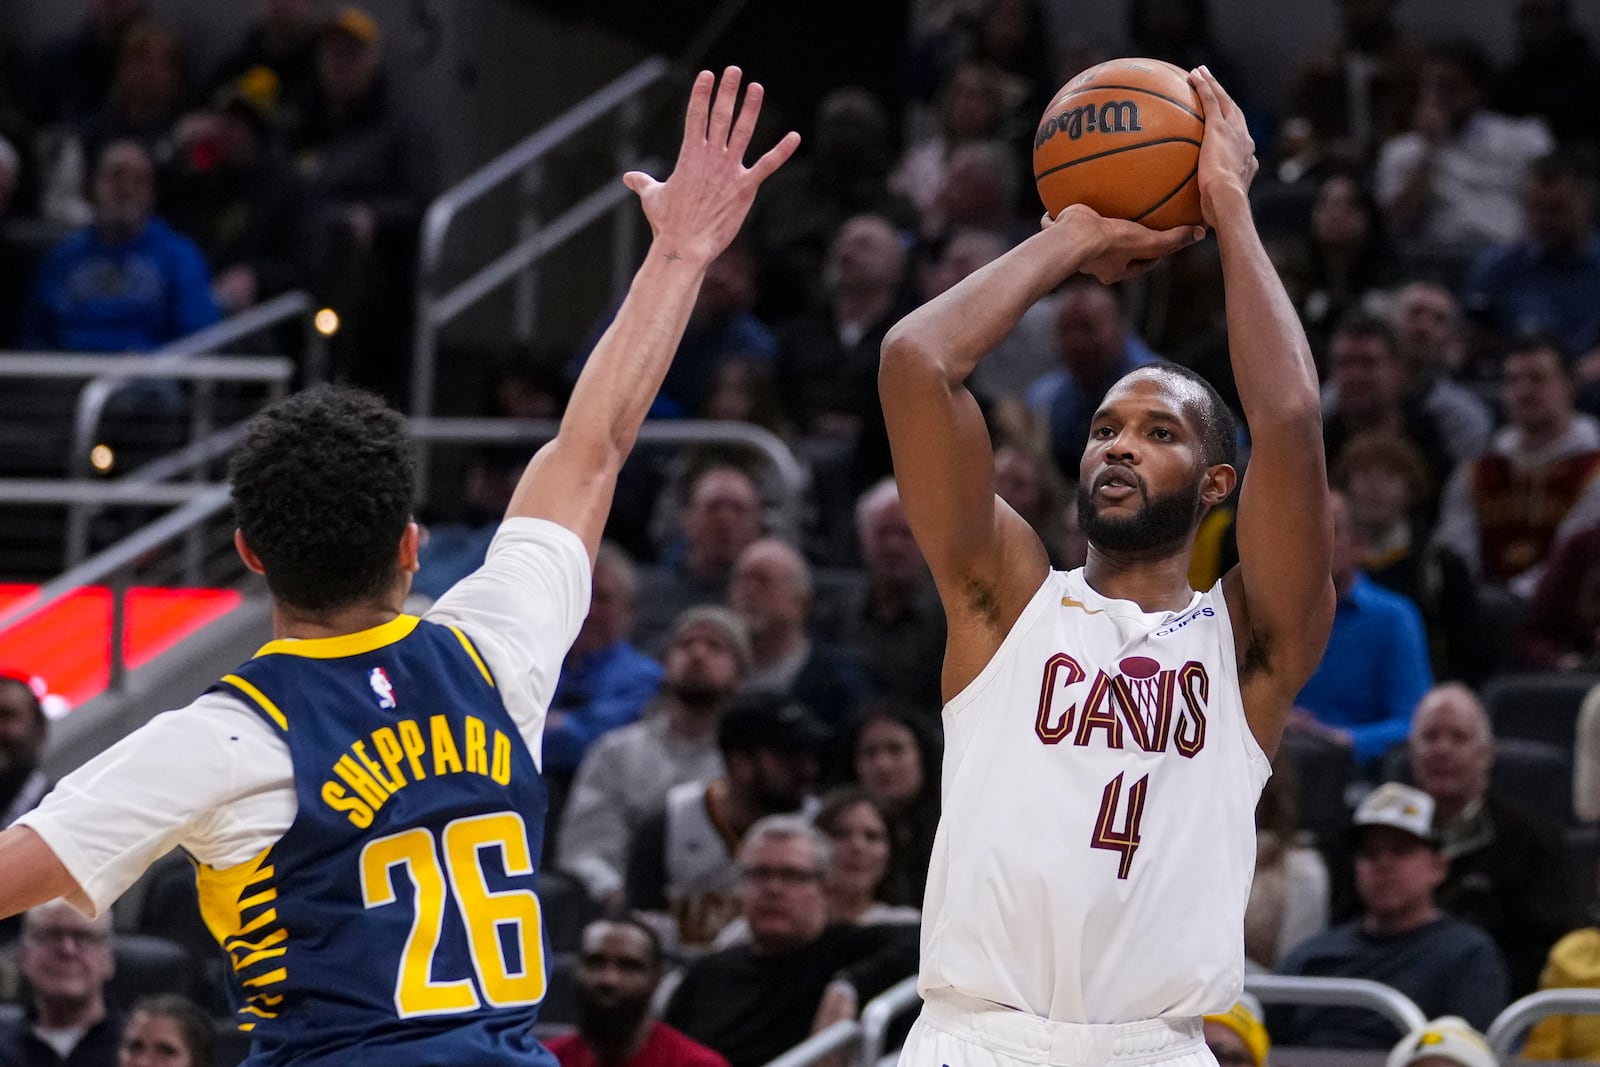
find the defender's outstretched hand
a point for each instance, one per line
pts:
(1115, 250)
(698, 210)
(1227, 152)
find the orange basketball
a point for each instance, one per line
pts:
(1124, 138)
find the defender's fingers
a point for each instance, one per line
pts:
(776, 156)
(694, 120)
(722, 107)
(745, 126)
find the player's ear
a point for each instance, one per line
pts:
(1218, 483)
(247, 553)
(410, 547)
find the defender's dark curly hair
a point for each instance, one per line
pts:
(322, 490)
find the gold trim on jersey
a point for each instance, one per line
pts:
(239, 907)
(369, 640)
(483, 668)
(261, 699)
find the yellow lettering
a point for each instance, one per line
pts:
(445, 758)
(359, 780)
(477, 746)
(411, 740)
(502, 759)
(334, 795)
(360, 749)
(388, 746)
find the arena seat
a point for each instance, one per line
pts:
(1538, 706)
(566, 908)
(147, 966)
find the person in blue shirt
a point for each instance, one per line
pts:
(605, 681)
(1376, 667)
(127, 281)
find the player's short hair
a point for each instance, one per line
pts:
(1219, 429)
(322, 489)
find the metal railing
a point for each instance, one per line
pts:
(1509, 1025)
(535, 237)
(114, 565)
(209, 341)
(1338, 992)
(880, 1012)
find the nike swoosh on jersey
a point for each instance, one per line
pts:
(1068, 602)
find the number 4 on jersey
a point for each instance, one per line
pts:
(1125, 840)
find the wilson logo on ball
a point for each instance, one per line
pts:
(1113, 116)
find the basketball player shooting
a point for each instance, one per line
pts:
(362, 799)
(1108, 729)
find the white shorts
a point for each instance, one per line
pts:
(959, 1031)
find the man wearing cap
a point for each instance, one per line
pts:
(1446, 1042)
(1401, 938)
(1238, 1038)
(681, 867)
(626, 774)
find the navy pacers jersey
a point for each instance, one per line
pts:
(395, 921)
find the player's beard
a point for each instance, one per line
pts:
(611, 1024)
(1157, 528)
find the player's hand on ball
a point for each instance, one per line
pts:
(1227, 153)
(700, 207)
(1115, 249)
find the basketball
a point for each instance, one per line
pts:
(1123, 138)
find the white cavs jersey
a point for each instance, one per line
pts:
(1098, 835)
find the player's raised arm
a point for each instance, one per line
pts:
(985, 559)
(1281, 594)
(33, 874)
(693, 215)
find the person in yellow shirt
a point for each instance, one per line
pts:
(1574, 963)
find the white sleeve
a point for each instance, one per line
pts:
(210, 777)
(523, 608)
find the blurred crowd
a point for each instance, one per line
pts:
(743, 750)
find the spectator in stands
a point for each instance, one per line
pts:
(66, 959)
(828, 363)
(1455, 177)
(626, 774)
(1094, 347)
(1537, 483)
(282, 40)
(1348, 255)
(1369, 388)
(1238, 1038)
(1376, 667)
(73, 76)
(771, 591)
(1361, 90)
(840, 172)
(972, 107)
(231, 189)
(859, 833)
(128, 282)
(1574, 963)
(1561, 629)
(605, 682)
(744, 388)
(619, 970)
(1554, 73)
(721, 515)
(1445, 965)
(894, 755)
(167, 1031)
(1426, 320)
(682, 872)
(1386, 483)
(148, 93)
(1289, 894)
(1002, 376)
(1026, 479)
(799, 973)
(892, 621)
(23, 728)
(979, 191)
(1449, 1041)
(1546, 282)
(1508, 871)
(374, 171)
